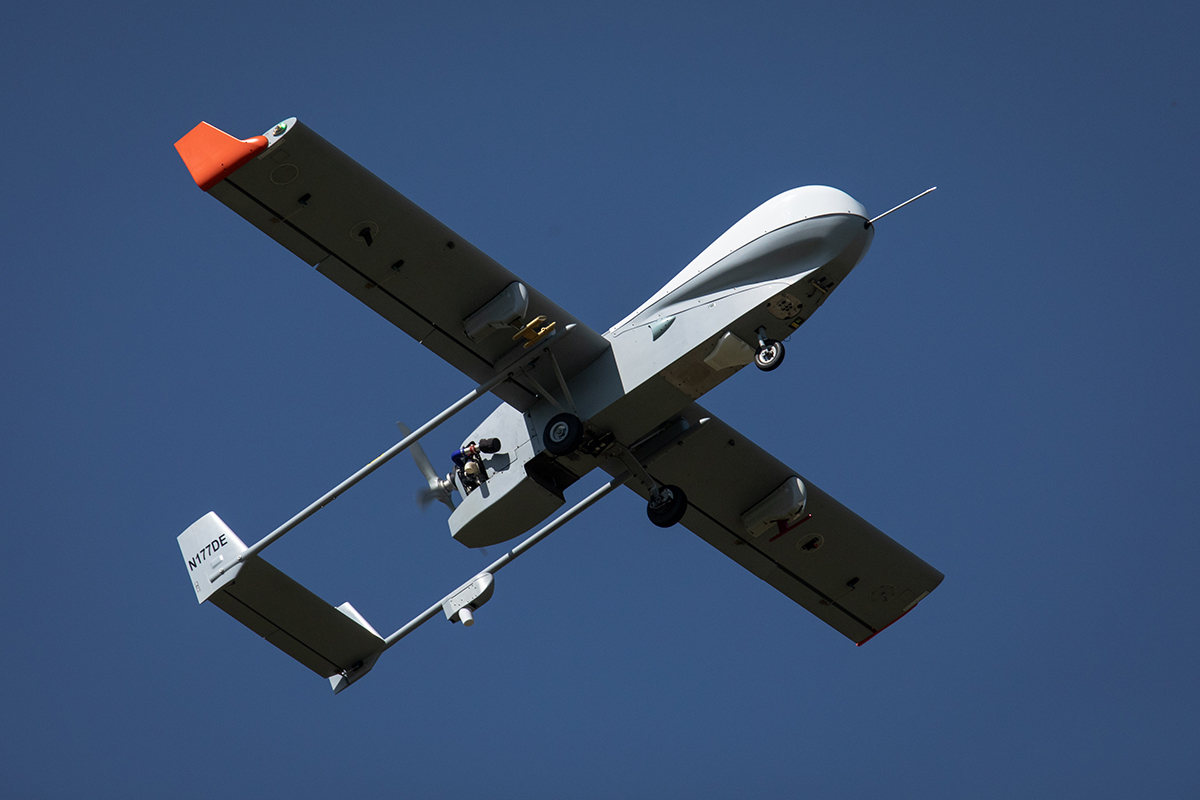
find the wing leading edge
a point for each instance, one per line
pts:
(829, 560)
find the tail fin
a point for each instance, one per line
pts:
(336, 643)
(208, 545)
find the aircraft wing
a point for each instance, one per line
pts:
(377, 245)
(827, 558)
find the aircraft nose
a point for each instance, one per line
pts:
(806, 202)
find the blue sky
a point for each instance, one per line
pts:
(1007, 385)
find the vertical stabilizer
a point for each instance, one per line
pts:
(208, 546)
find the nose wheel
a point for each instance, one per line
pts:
(667, 506)
(769, 354)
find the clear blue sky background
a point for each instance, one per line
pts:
(1007, 385)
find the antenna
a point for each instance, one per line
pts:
(902, 205)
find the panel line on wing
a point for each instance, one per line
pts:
(278, 628)
(832, 603)
(384, 290)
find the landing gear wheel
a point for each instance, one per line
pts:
(667, 506)
(564, 433)
(769, 356)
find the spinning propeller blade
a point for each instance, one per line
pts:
(437, 489)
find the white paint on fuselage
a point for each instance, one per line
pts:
(781, 211)
(813, 233)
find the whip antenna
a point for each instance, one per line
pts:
(902, 205)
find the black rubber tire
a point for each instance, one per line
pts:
(769, 356)
(670, 509)
(563, 434)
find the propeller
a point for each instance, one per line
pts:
(439, 489)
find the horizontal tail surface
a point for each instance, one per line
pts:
(336, 643)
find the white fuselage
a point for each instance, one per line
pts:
(768, 273)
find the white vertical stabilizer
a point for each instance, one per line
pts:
(208, 545)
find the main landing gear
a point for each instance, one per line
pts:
(667, 506)
(564, 434)
(769, 354)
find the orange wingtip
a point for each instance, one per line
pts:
(211, 154)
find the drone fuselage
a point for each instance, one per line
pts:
(761, 280)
